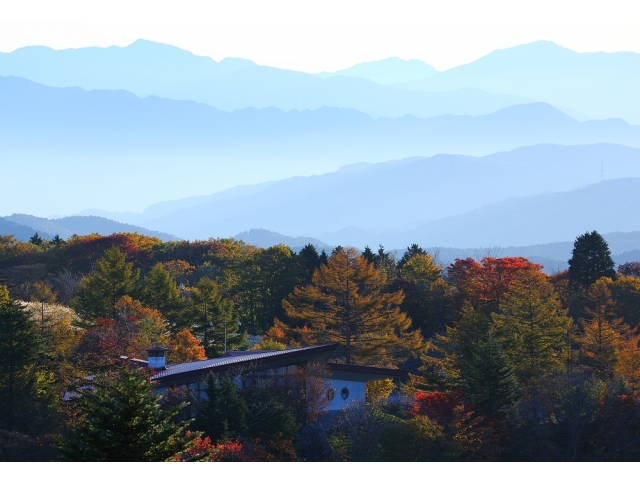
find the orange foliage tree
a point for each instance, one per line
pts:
(185, 348)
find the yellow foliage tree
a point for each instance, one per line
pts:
(345, 303)
(185, 348)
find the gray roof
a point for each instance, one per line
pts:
(202, 367)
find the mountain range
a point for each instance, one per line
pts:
(356, 204)
(152, 149)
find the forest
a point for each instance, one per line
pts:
(506, 362)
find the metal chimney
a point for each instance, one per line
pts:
(156, 357)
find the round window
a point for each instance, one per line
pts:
(330, 394)
(344, 393)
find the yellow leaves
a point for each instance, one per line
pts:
(421, 269)
(185, 348)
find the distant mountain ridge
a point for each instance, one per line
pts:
(81, 225)
(597, 84)
(388, 71)
(357, 204)
(155, 149)
(153, 69)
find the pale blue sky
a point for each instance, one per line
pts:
(317, 35)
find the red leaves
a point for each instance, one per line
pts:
(437, 406)
(485, 284)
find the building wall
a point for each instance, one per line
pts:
(354, 391)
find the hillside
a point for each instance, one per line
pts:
(356, 203)
(20, 232)
(156, 149)
(81, 225)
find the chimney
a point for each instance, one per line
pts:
(156, 356)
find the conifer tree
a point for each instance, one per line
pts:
(160, 290)
(99, 292)
(590, 260)
(532, 325)
(345, 304)
(603, 331)
(225, 414)
(123, 422)
(490, 380)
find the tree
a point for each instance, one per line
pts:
(99, 292)
(186, 348)
(345, 304)
(532, 325)
(160, 291)
(590, 260)
(490, 381)
(603, 331)
(36, 239)
(225, 414)
(211, 312)
(123, 422)
(23, 378)
(411, 252)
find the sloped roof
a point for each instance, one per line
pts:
(261, 358)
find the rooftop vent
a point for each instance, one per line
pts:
(156, 355)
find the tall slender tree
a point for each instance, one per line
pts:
(345, 303)
(590, 260)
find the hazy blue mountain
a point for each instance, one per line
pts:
(612, 205)
(147, 68)
(387, 71)
(20, 232)
(599, 85)
(155, 149)
(357, 203)
(265, 239)
(81, 225)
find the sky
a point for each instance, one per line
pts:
(324, 35)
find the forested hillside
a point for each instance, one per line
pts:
(506, 362)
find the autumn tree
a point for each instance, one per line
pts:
(184, 347)
(590, 260)
(99, 292)
(122, 421)
(532, 325)
(345, 304)
(225, 413)
(603, 330)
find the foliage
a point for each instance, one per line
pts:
(184, 347)
(379, 390)
(590, 260)
(345, 304)
(122, 421)
(225, 414)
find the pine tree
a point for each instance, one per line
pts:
(532, 325)
(225, 414)
(99, 292)
(490, 380)
(345, 304)
(590, 260)
(123, 422)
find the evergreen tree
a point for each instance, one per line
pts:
(532, 325)
(225, 414)
(99, 292)
(160, 291)
(345, 304)
(123, 422)
(211, 312)
(368, 254)
(36, 239)
(490, 381)
(411, 252)
(310, 260)
(23, 376)
(590, 260)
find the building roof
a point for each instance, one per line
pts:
(253, 359)
(358, 373)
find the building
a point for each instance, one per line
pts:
(345, 384)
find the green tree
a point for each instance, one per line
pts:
(225, 414)
(490, 381)
(590, 260)
(532, 326)
(36, 239)
(99, 292)
(123, 422)
(212, 314)
(23, 376)
(161, 292)
(345, 303)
